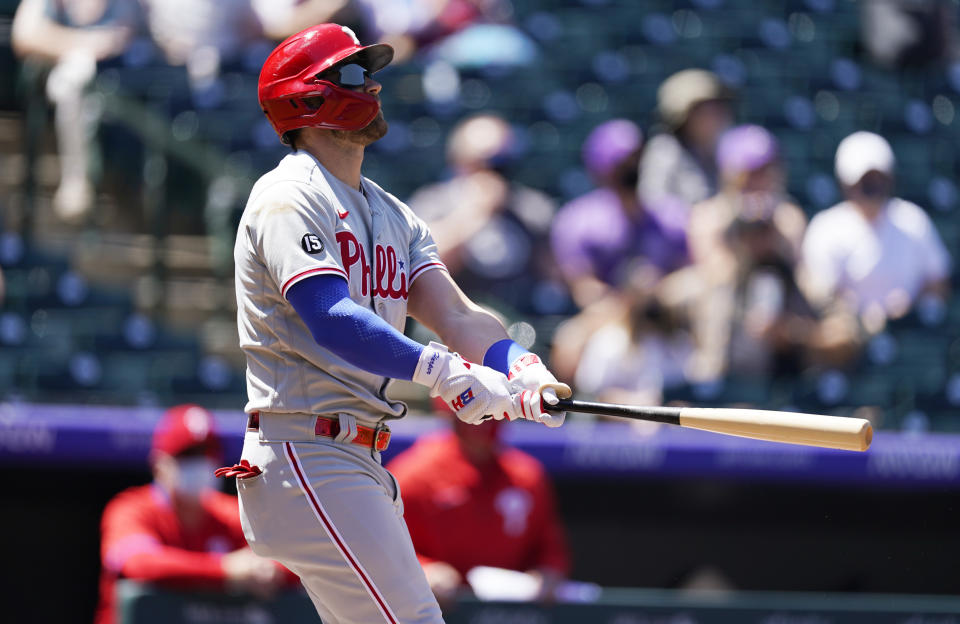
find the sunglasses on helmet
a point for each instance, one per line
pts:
(350, 76)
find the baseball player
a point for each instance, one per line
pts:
(328, 266)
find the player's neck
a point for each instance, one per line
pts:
(870, 210)
(343, 159)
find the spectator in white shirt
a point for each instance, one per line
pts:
(874, 252)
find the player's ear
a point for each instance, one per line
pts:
(290, 137)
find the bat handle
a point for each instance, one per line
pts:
(562, 405)
(667, 415)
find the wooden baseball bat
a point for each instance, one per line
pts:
(837, 432)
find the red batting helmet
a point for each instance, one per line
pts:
(289, 76)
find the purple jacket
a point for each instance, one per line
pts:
(593, 235)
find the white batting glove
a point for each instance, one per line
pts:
(531, 379)
(474, 392)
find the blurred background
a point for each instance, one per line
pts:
(652, 193)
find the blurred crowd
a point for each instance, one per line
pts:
(76, 38)
(759, 292)
(686, 263)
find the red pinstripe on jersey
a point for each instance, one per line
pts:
(335, 536)
(318, 271)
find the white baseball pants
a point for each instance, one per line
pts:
(332, 514)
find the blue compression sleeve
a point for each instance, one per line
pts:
(351, 331)
(501, 354)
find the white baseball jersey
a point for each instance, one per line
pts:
(302, 221)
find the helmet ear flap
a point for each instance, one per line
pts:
(312, 103)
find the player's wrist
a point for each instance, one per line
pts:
(537, 387)
(431, 365)
(501, 355)
(525, 364)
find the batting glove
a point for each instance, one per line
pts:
(474, 392)
(537, 385)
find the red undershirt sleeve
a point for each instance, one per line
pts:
(174, 566)
(132, 548)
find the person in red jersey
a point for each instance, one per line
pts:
(179, 532)
(471, 501)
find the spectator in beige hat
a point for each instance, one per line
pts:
(694, 108)
(873, 252)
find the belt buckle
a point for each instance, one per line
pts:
(379, 429)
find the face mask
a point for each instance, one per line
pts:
(194, 476)
(874, 188)
(629, 178)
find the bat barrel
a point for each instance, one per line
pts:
(851, 434)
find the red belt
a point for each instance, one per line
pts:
(377, 438)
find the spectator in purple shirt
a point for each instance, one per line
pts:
(600, 237)
(607, 238)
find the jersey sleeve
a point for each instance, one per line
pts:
(424, 255)
(293, 238)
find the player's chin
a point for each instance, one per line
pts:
(375, 130)
(370, 133)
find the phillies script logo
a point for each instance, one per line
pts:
(385, 270)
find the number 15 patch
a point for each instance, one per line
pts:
(311, 244)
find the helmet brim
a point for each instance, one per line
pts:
(375, 57)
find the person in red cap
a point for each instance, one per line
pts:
(178, 531)
(471, 501)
